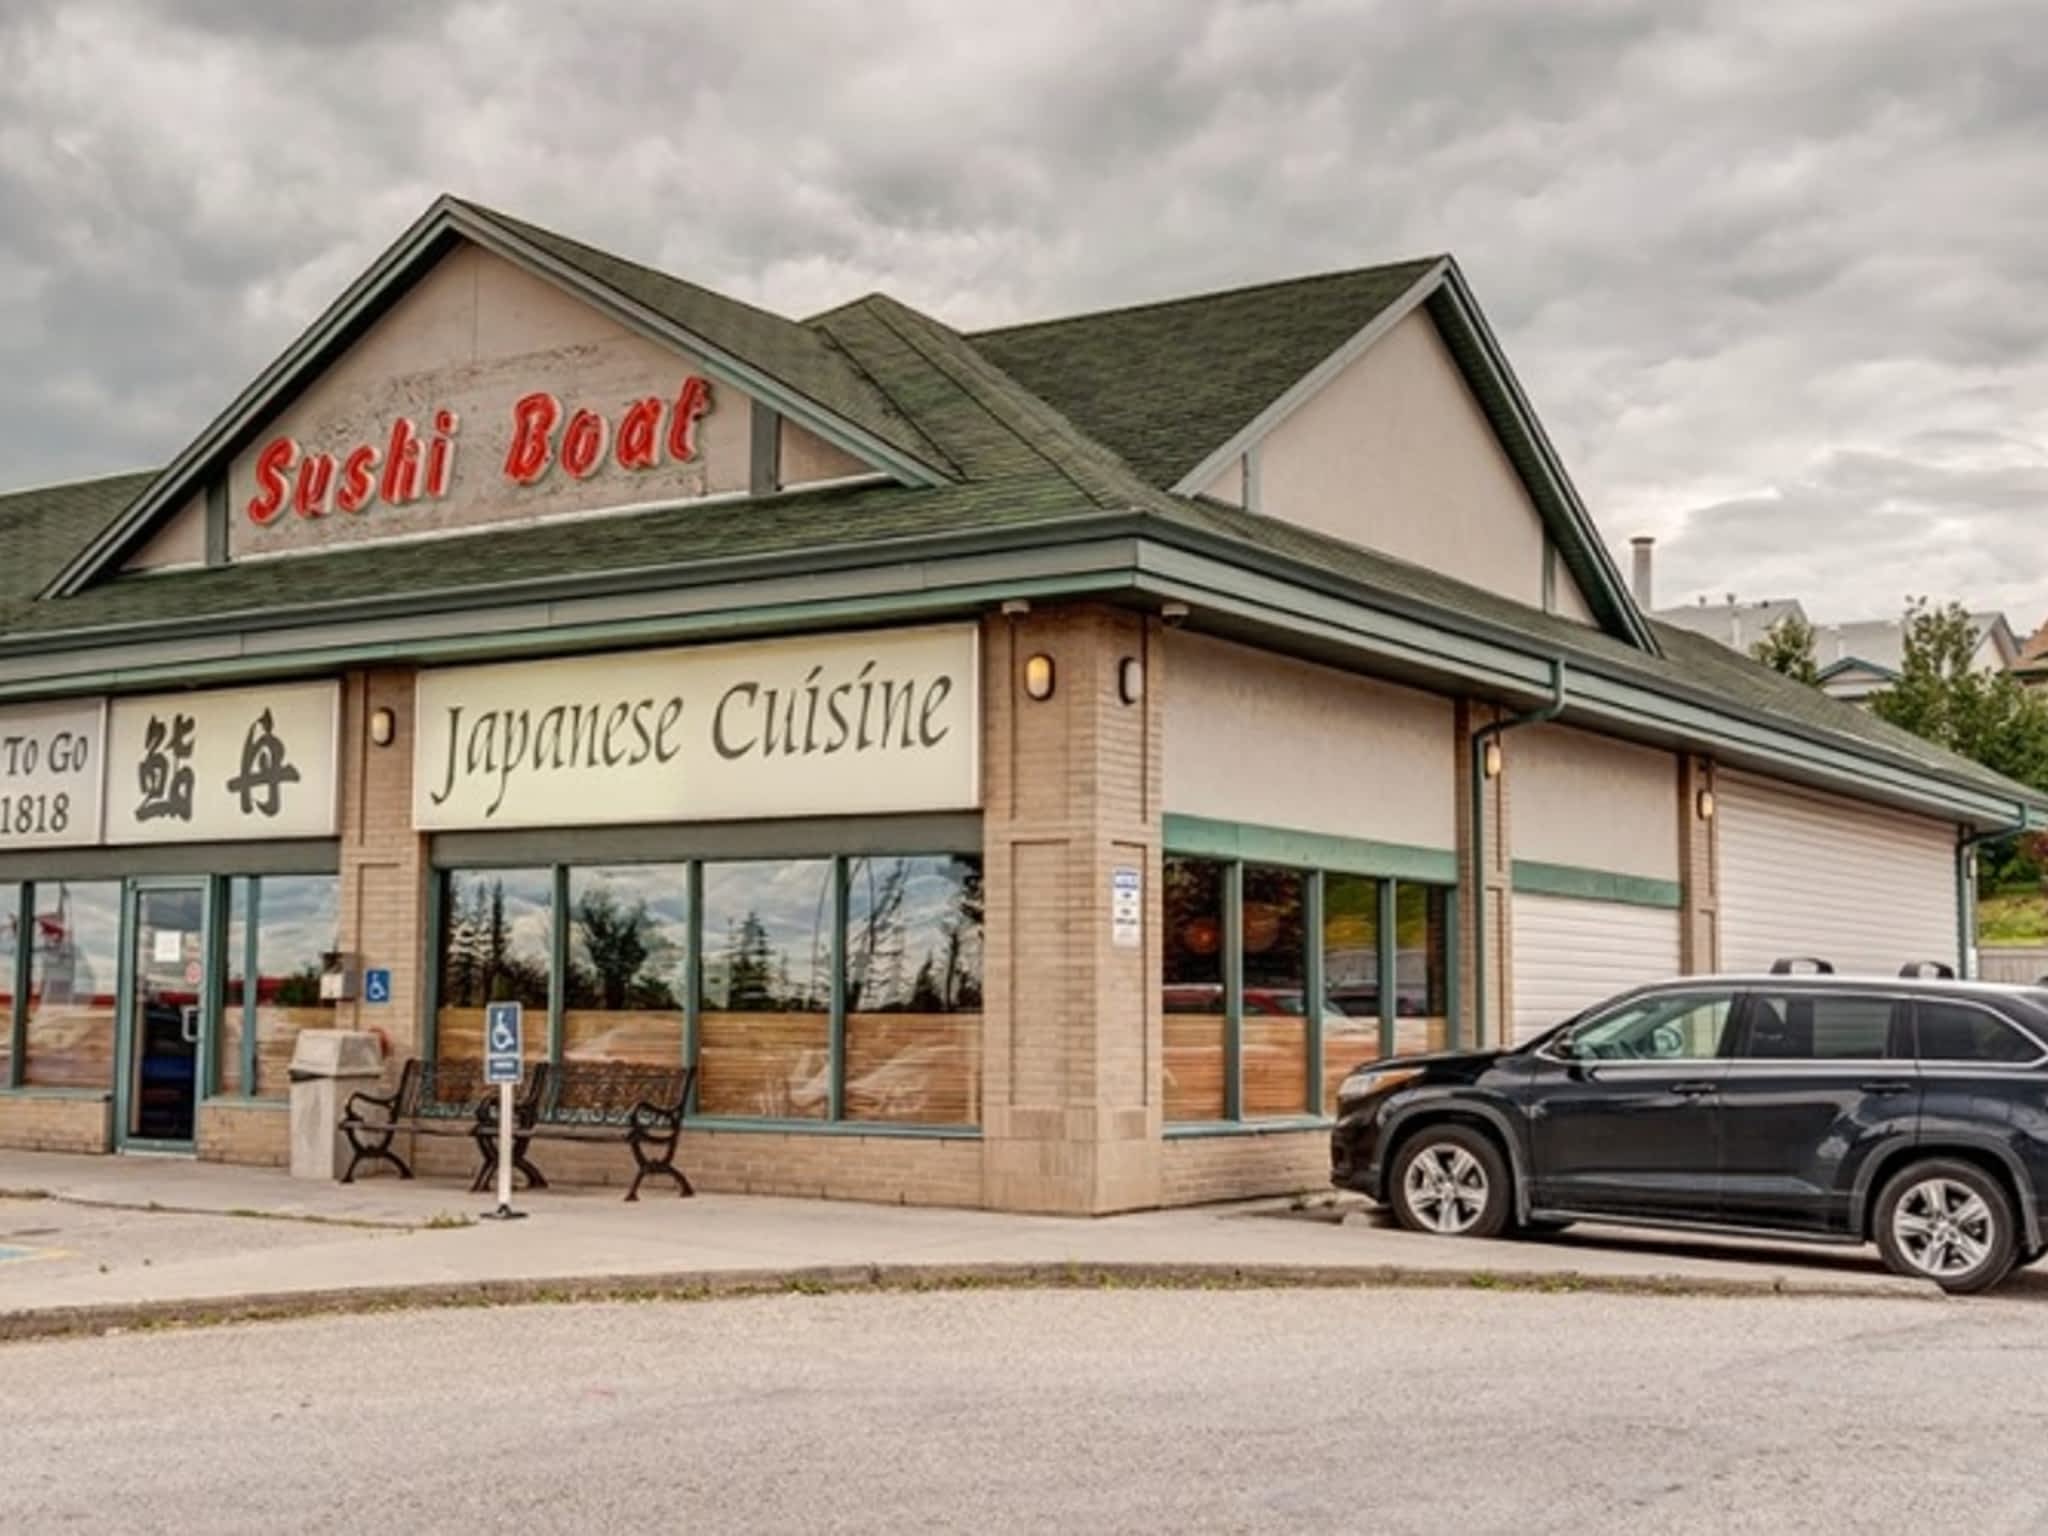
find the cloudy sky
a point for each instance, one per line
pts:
(1775, 274)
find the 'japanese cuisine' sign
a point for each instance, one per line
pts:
(833, 725)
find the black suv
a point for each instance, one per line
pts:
(1908, 1112)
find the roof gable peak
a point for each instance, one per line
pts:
(790, 368)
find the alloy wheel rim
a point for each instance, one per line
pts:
(1446, 1188)
(1944, 1228)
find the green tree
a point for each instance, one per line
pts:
(1985, 716)
(1787, 647)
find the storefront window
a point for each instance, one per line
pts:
(764, 1032)
(1193, 1000)
(74, 967)
(1351, 978)
(295, 921)
(913, 990)
(1421, 989)
(629, 950)
(1274, 1038)
(496, 935)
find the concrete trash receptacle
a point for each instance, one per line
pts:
(327, 1066)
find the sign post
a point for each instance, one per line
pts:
(504, 1064)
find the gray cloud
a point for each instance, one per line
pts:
(1771, 273)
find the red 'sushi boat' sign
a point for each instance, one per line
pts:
(411, 464)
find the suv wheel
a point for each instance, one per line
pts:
(1948, 1222)
(1452, 1181)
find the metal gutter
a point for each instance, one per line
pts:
(1966, 909)
(1093, 553)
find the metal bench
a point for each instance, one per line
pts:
(433, 1098)
(606, 1102)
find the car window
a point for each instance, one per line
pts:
(1822, 1026)
(1682, 1027)
(1964, 1032)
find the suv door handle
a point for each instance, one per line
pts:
(1695, 1090)
(1886, 1085)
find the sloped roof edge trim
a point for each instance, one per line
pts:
(337, 326)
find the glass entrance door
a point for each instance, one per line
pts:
(166, 1001)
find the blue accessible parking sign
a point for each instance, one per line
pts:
(377, 986)
(504, 1041)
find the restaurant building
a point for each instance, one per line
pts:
(1023, 769)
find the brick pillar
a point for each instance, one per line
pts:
(383, 861)
(1699, 870)
(1488, 890)
(1071, 1022)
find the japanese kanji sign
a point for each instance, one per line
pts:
(223, 766)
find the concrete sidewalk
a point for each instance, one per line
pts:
(91, 1243)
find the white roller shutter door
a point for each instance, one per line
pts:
(1570, 953)
(1863, 888)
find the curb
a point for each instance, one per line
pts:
(710, 1285)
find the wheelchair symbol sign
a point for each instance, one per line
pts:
(504, 1031)
(377, 986)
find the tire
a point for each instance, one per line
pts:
(1450, 1181)
(1949, 1222)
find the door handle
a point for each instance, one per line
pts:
(1886, 1085)
(188, 1025)
(1695, 1090)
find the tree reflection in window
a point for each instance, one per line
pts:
(629, 944)
(764, 1033)
(495, 946)
(913, 990)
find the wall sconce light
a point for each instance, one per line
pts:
(1130, 680)
(1491, 758)
(383, 726)
(1704, 803)
(1038, 676)
(1173, 614)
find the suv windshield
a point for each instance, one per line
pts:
(1684, 1027)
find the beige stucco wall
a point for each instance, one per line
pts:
(474, 335)
(180, 541)
(1566, 599)
(1395, 454)
(806, 458)
(1265, 739)
(1587, 800)
(1228, 485)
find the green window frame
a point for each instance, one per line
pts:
(1389, 886)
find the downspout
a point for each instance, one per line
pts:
(1966, 915)
(1480, 738)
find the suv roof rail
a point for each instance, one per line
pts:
(1789, 966)
(1939, 969)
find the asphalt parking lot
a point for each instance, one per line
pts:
(1378, 1410)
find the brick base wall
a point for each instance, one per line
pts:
(1244, 1167)
(257, 1134)
(892, 1170)
(31, 1123)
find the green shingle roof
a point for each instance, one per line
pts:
(41, 529)
(1048, 433)
(1166, 384)
(800, 357)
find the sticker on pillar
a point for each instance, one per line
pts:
(1126, 907)
(376, 986)
(504, 1037)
